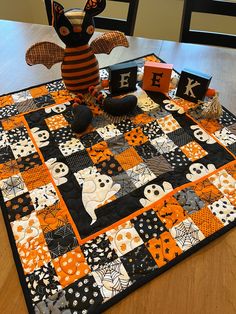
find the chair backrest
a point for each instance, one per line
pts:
(124, 25)
(188, 35)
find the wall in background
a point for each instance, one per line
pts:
(156, 18)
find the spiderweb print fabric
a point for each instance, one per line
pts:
(93, 216)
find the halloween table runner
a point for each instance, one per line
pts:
(91, 217)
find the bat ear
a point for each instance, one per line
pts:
(95, 7)
(57, 10)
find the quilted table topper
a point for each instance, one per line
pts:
(91, 217)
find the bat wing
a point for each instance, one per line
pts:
(107, 41)
(45, 53)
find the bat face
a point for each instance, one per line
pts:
(75, 27)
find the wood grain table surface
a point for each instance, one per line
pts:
(204, 283)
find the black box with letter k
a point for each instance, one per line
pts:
(193, 85)
(123, 77)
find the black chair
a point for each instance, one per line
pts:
(188, 35)
(124, 25)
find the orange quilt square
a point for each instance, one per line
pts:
(53, 217)
(12, 123)
(99, 152)
(141, 119)
(210, 126)
(163, 249)
(61, 96)
(70, 267)
(231, 169)
(129, 158)
(33, 253)
(56, 122)
(9, 169)
(136, 137)
(6, 101)
(171, 213)
(38, 91)
(193, 151)
(36, 177)
(168, 124)
(207, 192)
(206, 221)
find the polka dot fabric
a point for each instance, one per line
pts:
(92, 216)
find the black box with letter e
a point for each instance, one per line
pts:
(123, 77)
(193, 85)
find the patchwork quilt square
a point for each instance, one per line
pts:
(140, 175)
(124, 238)
(125, 126)
(78, 161)
(225, 136)
(139, 270)
(189, 200)
(71, 146)
(55, 86)
(16, 135)
(70, 267)
(28, 162)
(84, 295)
(135, 137)
(8, 111)
(223, 210)
(56, 122)
(61, 241)
(186, 234)
(117, 144)
(163, 144)
(62, 135)
(193, 151)
(42, 283)
(163, 249)
(158, 165)
(206, 221)
(110, 167)
(152, 130)
(9, 169)
(147, 151)
(170, 213)
(180, 137)
(99, 152)
(25, 106)
(44, 100)
(148, 225)
(176, 158)
(125, 182)
(44, 196)
(91, 139)
(128, 158)
(99, 252)
(115, 273)
(12, 187)
(108, 131)
(53, 217)
(23, 148)
(168, 124)
(19, 206)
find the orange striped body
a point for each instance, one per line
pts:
(80, 69)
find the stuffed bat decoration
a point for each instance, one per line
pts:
(75, 27)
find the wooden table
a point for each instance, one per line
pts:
(203, 283)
